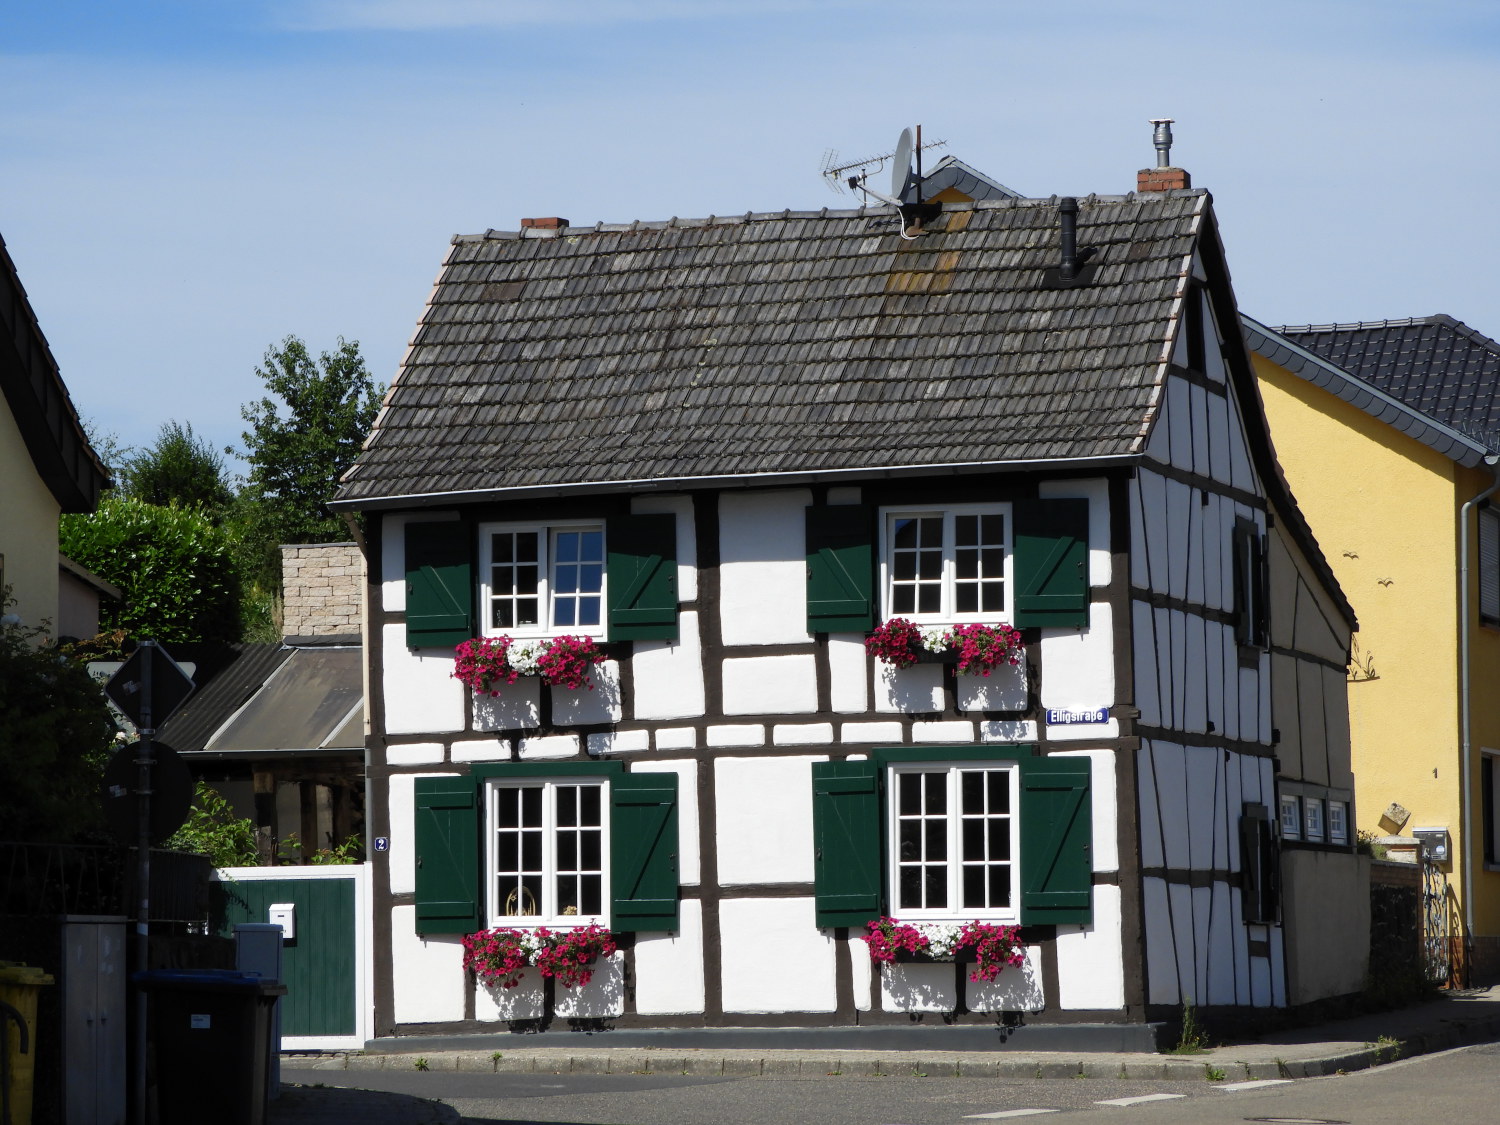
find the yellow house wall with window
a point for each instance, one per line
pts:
(1384, 508)
(28, 531)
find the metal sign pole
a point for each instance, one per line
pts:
(146, 729)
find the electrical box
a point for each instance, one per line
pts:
(1436, 844)
(284, 914)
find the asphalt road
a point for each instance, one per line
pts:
(1454, 1087)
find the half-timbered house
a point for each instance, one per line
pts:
(724, 451)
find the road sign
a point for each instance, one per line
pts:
(171, 792)
(149, 677)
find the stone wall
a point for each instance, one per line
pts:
(321, 587)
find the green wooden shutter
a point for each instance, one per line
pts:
(643, 851)
(447, 846)
(642, 578)
(1052, 562)
(840, 570)
(439, 584)
(848, 861)
(1056, 870)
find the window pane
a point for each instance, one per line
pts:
(909, 889)
(591, 801)
(507, 852)
(936, 840)
(966, 563)
(562, 614)
(909, 793)
(992, 529)
(966, 598)
(502, 548)
(973, 839)
(910, 841)
(503, 616)
(526, 546)
(1000, 883)
(935, 793)
(998, 784)
(567, 805)
(904, 533)
(508, 808)
(566, 549)
(971, 786)
(903, 600)
(531, 805)
(567, 851)
(588, 611)
(566, 580)
(999, 839)
(975, 887)
(904, 566)
(593, 852)
(591, 578)
(936, 887)
(531, 851)
(930, 600)
(931, 564)
(526, 579)
(592, 896)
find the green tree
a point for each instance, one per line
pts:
(212, 829)
(56, 733)
(300, 442)
(178, 468)
(175, 566)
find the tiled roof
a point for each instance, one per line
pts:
(785, 343)
(1434, 364)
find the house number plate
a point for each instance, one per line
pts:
(1069, 716)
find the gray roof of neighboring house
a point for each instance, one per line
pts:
(952, 173)
(1433, 364)
(767, 346)
(272, 697)
(1377, 403)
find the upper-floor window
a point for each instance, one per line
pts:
(538, 580)
(1251, 620)
(947, 564)
(1291, 817)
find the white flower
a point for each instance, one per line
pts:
(10, 619)
(934, 639)
(524, 656)
(940, 937)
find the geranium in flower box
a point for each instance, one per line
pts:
(485, 663)
(976, 649)
(499, 957)
(989, 946)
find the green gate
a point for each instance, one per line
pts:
(321, 965)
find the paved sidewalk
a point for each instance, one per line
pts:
(1452, 1020)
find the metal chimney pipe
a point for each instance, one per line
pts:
(1162, 138)
(1068, 209)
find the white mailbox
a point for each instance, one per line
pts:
(284, 914)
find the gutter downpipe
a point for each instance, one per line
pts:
(1492, 461)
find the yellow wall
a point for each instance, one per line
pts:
(1384, 508)
(28, 528)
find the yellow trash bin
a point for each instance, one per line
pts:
(19, 986)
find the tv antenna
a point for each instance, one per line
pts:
(854, 175)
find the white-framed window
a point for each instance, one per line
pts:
(954, 841)
(1312, 819)
(546, 851)
(1291, 817)
(947, 565)
(1338, 822)
(540, 580)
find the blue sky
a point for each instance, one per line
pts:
(185, 183)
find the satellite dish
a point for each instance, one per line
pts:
(901, 164)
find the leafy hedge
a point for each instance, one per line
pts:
(175, 566)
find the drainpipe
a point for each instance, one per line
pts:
(1465, 782)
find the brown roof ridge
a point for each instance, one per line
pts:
(866, 211)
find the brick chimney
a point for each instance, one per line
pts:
(550, 223)
(321, 587)
(1166, 176)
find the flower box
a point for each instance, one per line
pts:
(990, 947)
(485, 663)
(500, 957)
(975, 649)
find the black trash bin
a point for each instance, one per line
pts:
(209, 1032)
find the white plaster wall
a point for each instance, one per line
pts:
(393, 555)
(1008, 730)
(1213, 350)
(669, 967)
(688, 860)
(549, 746)
(848, 674)
(914, 690)
(884, 733)
(802, 734)
(763, 568)
(1090, 959)
(1096, 492)
(1198, 396)
(1078, 671)
(428, 973)
(414, 754)
(1203, 810)
(861, 974)
(948, 730)
(771, 685)
(518, 706)
(668, 675)
(421, 695)
(1218, 439)
(1142, 640)
(1018, 988)
(1241, 474)
(483, 750)
(763, 826)
(687, 540)
(401, 858)
(1104, 845)
(918, 988)
(1161, 957)
(676, 738)
(1148, 519)
(775, 957)
(602, 998)
(1179, 521)
(619, 742)
(582, 707)
(1004, 689)
(527, 1001)
(1163, 771)
(1179, 413)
